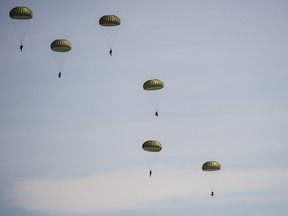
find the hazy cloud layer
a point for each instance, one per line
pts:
(134, 189)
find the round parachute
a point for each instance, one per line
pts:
(152, 146)
(209, 169)
(61, 45)
(21, 13)
(60, 48)
(109, 20)
(154, 84)
(211, 166)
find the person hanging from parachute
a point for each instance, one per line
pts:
(152, 149)
(109, 25)
(152, 88)
(212, 168)
(60, 48)
(21, 17)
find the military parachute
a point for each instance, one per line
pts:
(21, 17)
(109, 25)
(211, 169)
(60, 48)
(152, 149)
(153, 89)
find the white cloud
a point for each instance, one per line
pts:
(132, 189)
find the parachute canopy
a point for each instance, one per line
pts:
(61, 45)
(21, 13)
(152, 146)
(211, 166)
(109, 20)
(154, 84)
(60, 48)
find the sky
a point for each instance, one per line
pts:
(73, 146)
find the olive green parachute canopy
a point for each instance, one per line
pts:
(154, 84)
(109, 20)
(152, 146)
(61, 45)
(211, 166)
(21, 13)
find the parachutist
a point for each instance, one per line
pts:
(153, 147)
(19, 15)
(208, 167)
(60, 46)
(152, 86)
(112, 21)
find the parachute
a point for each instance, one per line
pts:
(211, 166)
(21, 17)
(153, 89)
(21, 13)
(152, 85)
(152, 149)
(109, 25)
(152, 146)
(61, 45)
(109, 20)
(60, 48)
(211, 169)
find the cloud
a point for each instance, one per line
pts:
(131, 189)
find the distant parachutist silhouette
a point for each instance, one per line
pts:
(21, 47)
(150, 173)
(156, 114)
(59, 75)
(212, 194)
(110, 52)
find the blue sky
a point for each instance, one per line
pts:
(72, 146)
